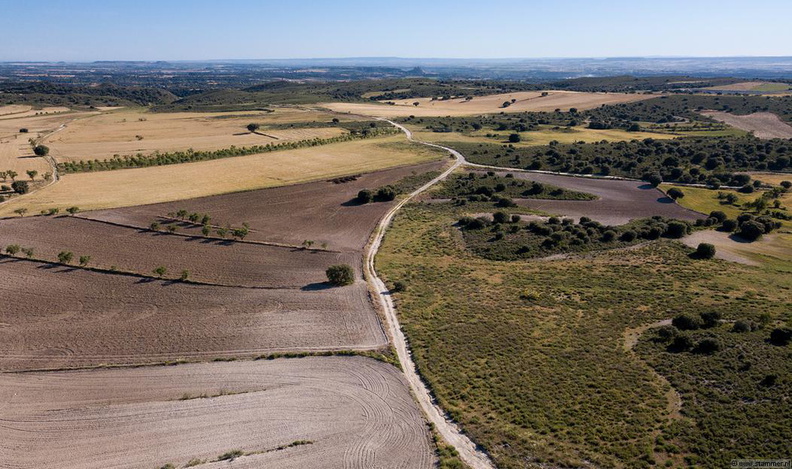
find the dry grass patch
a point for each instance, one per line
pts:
(524, 101)
(123, 188)
(132, 131)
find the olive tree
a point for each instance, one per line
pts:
(340, 275)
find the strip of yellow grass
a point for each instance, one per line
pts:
(127, 187)
(524, 101)
(540, 137)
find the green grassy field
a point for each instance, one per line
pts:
(529, 356)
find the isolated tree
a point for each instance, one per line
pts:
(675, 193)
(781, 336)
(12, 174)
(154, 226)
(12, 249)
(742, 325)
(307, 243)
(206, 230)
(676, 229)
(416, 103)
(20, 187)
(686, 322)
(84, 260)
(41, 150)
(340, 275)
(23, 130)
(28, 252)
(365, 196)
(786, 184)
(514, 138)
(705, 251)
(181, 214)
(654, 179)
(32, 173)
(710, 319)
(194, 217)
(708, 346)
(205, 219)
(160, 271)
(73, 210)
(500, 217)
(4, 175)
(21, 211)
(750, 230)
(222, 232)
(65, 257)
(185, 274)
(253, 127)
(47, 176)
(240, 232)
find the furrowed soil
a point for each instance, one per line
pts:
(618, 201)
(58, 316)
(335, 412)
(323, 211)
(525, 101)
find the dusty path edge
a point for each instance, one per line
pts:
(468, 451)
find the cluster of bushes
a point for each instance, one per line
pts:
(677, 341)
(490, 187)
(189, 156)
(747, 226)
(506, 237)
(712, 161)
(383, 194)
(203, 220)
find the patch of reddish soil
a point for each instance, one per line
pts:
(618, 201)
(356, 412)
(56, 316)
(323, 212)
(212, 261)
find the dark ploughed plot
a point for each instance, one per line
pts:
(56, 316)
(212, 261)
(323, 212)
(348, 412)
(618, 201)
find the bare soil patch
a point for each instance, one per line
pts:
(213, 261)
(56, 316)
(726, 247)
(762, 124)
(355, 412)
(525, 101)
(618, 201)
(323, 211)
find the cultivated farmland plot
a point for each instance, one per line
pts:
(333, 412)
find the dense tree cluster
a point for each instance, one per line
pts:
(688, 160)
(509, 238)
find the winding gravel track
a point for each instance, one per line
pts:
(450, 432)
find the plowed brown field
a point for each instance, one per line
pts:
(355, 412)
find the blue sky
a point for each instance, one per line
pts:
(85, 30)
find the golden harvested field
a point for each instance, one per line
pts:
(130, 131)
(15, 150)
(752, 86)
(526, 101)
(17, 111)
(123, 188)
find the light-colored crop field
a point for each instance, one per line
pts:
(127, 187)
(132, 131)
(330, 412)
(762, 124)
(753, 86)
(17, 111)
(16, 152)
(525, 101)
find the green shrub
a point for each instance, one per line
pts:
(340, 275)
(705, 251)
(687, 322)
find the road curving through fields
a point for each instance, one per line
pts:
(468, 451)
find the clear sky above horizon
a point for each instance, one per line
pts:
(87, 30)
